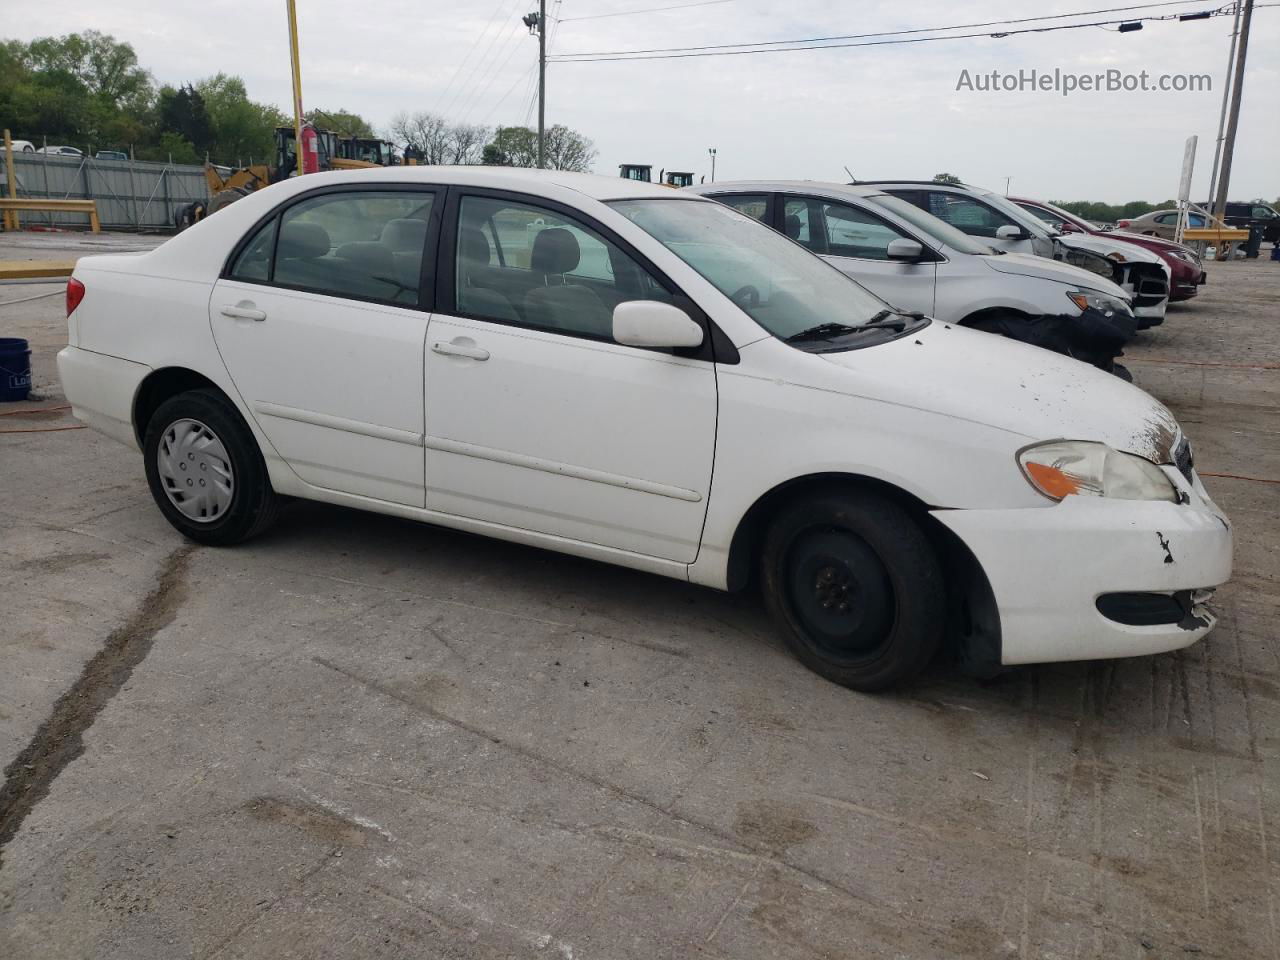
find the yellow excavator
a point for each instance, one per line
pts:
(229, 184)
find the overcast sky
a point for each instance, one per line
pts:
(882, 111)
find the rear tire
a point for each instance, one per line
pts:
(224, 198)
(856, 588)
(205, 470)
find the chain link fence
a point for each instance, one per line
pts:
(131, 194)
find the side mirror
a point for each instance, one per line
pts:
(904, 249)
(649, 323)
(1068, 227)
(1010, 232)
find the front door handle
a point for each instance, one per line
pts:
(240, 311)
(460, 349)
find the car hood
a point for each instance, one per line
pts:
(1150, 243)
(1029, 265)
(1034, 393)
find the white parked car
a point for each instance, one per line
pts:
(20, 146)
(62, 151)
(920, 263)
(644, 377)
(994, 219)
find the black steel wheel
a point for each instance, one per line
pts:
(856, 587)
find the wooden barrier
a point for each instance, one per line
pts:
(14, 204)
(33, 269)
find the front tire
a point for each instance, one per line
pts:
(856, 588)
(205, 470)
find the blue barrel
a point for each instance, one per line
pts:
(15, 369)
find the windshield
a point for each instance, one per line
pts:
(778, 283)
(939, 230)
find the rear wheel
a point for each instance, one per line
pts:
(205, 470)
(224, 198)
(856, 588)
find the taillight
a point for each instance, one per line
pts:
(1123, 223)
(75, 293)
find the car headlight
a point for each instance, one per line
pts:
(1107, 306)
(1064, 468)
(1186, 256)
(1087, 260)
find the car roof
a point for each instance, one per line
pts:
(519, 179)
(931, 184)
(786, 186)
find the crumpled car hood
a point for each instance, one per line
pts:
(1001, 383)
(1029, 265)
(1131, 252)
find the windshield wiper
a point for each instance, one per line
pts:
(881, 320)
(822, 331)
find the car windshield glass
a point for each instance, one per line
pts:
(1015, 213)
(926, 222)
(782, 286)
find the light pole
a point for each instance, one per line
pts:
(711, 151)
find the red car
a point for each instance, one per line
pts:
(1186, 272)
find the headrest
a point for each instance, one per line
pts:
(473, 245)
(368, 254)
(555, 250)
(300, 240)
(793, 226)
(405, 236)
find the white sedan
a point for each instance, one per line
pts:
(647, 378)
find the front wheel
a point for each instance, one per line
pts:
(856, 588)
(205, 470)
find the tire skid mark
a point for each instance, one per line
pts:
(60, 739)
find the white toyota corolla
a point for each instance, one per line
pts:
(652, 379)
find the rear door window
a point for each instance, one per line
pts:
(754, 205)
(366, 245)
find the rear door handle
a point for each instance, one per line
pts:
(456, 349)
(238, 312)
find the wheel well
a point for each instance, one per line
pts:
(158, 387)
(991, 313)
(973, 619)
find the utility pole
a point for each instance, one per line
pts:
(542, 84)
(1222, 114)
(711, 151)
(1233, 121)
(1006, 185)
(538, 22)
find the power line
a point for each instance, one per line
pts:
(725, 49)
(493, 19)
(474, 75)
(630, 13)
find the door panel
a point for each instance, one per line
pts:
(592, 441)
(335, 385)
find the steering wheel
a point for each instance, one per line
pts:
(747, 296)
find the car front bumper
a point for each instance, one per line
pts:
(1049, 566)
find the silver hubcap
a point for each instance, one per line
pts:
(195, 471)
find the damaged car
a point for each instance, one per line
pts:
(645, 377)
(923, 265)
(994, 219)
(1186, 270)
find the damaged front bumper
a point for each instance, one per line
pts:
(1094, 578)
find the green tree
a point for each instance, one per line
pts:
(241, 129)
(569, 150)
(512, 147)
(949, 178)
(182, 111)
(341, 122)
(108, 69)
